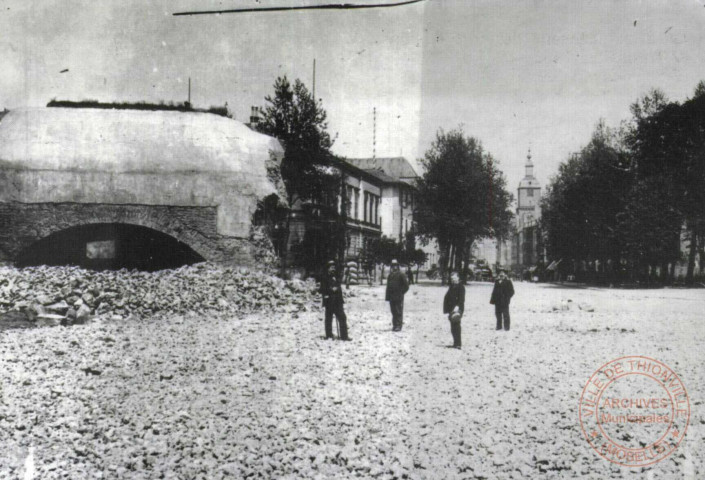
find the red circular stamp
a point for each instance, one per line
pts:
(634, 411)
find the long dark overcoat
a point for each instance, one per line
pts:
(397, 286)
(502, 293)
(331, 297)
(455, 297)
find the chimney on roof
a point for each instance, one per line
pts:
(255, 116)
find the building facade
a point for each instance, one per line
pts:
(364, 195)
(399, 199)
(523, 251)
(379, 200)
(398, 195)
(315, 224)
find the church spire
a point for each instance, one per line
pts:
(529, 165)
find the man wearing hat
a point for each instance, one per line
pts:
(502, 293)
(333, 302)
(397, 286)
(454, 305)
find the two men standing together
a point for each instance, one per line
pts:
(332, 293)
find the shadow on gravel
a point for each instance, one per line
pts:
(14, 319)
(567, 286)
(585, 286)
(621, 286)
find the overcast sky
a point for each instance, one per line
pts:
(515, 74)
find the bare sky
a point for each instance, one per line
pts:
(541, 74)
(514, 73)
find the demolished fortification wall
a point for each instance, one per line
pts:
(195, 176)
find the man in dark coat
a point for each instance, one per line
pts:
(333, 302)
(454, 306)
(397, 286)
(502, 294)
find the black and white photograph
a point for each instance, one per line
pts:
(374, 239)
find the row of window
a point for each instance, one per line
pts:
(370, 206)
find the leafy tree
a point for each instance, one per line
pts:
(385, 250)
(668, 145)
(298, 121)
(462, 197)
(411, 255)
(416, 257)
(626, 198)
(582, 204)
(651, 227)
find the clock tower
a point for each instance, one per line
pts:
(528, 195)
(525, 248)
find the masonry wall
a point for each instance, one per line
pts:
(22, 224)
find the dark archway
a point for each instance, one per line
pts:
(109, 246)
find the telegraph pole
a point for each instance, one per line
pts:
(374, 132)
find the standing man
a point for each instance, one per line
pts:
(397, 286)
(502, 294)
(454, 306)
(333, 302)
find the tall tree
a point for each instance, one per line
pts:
(295, 118)
(582, 204)
(298, 121)
(462, 197)
(668, 145)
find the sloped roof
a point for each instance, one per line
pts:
(381, 176)
(121, 141)
(397, 167)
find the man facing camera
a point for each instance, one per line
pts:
(502, 294)
(397, 286)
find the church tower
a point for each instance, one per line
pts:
(522, 251)
(525, 248)
(528, 196)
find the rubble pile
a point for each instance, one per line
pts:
(69, 295)
(263, 249)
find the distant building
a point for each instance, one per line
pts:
(314, 222)
(381, 199)
(485, 249)
(365, 191)
(369, 198)
(398, 202)
(399, 199)
(524, 249)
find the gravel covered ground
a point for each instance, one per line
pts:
(264, 396)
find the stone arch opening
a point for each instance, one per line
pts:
(109, 246)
